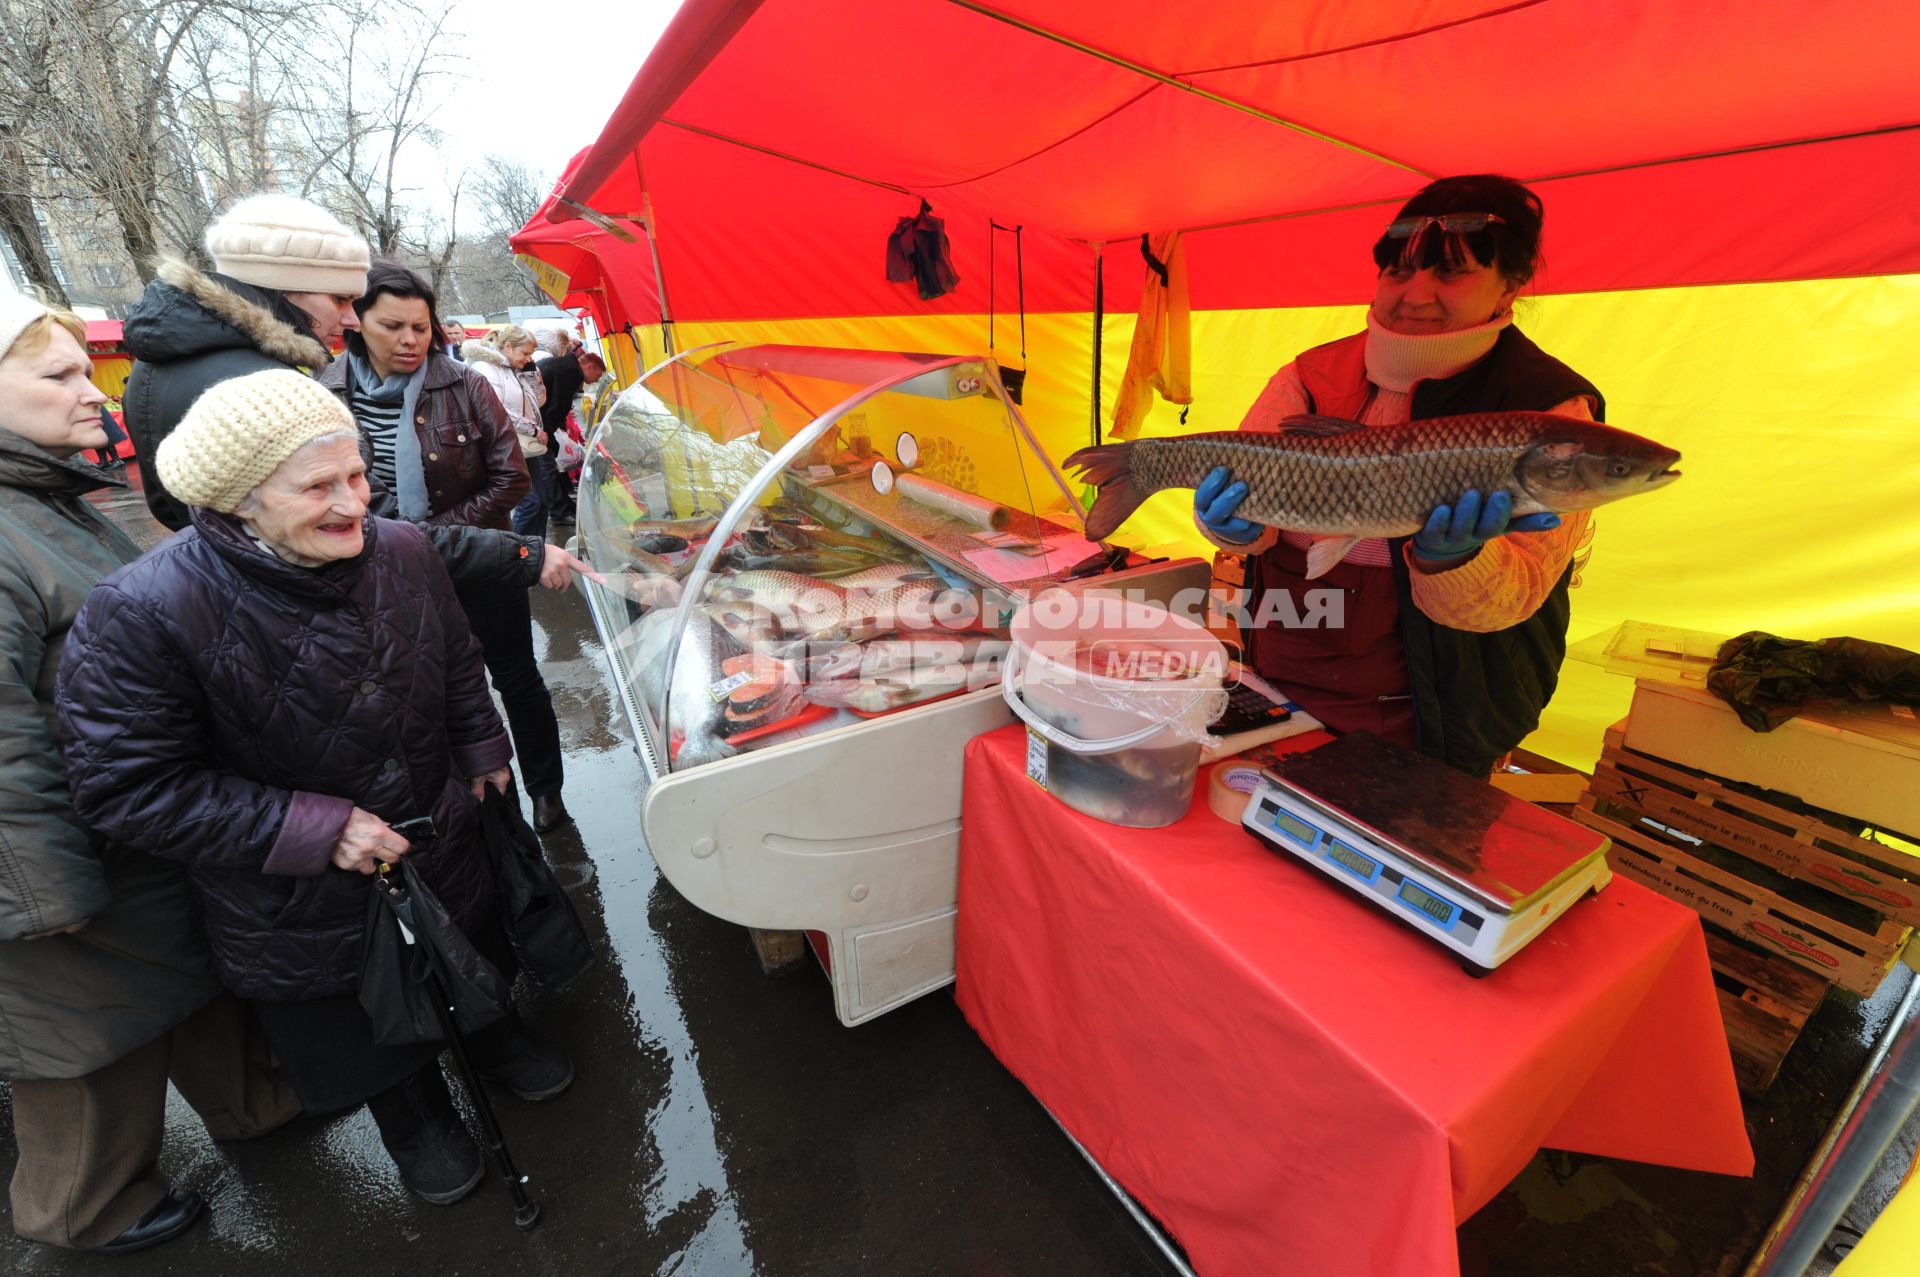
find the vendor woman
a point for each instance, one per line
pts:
(1453, 637)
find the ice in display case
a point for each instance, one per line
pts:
(810, 558)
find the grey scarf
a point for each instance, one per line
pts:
(409, 472)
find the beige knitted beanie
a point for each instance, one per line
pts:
(239, 431)
(279, 242)
(17, 313)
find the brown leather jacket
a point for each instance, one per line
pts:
(475, 475)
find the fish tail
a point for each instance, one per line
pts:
(1108, 467)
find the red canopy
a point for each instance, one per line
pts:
(1674, 143)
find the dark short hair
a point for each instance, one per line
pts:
(1511, 245)
(388, 278)
(585, 355)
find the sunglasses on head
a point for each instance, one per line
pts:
(1452, 223)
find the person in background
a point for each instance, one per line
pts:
(280, 295)
(565, 376)
(442, 442)
(106, 990)
(263, 698)
(455, 333)
(192, 330)
(1452, 638)
(109, 456)
(505, 359)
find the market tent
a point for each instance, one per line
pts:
(1731, 247)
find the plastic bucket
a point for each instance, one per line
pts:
(1117, 695)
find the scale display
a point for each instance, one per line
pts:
(1478, 870)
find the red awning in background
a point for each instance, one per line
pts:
(1674, 143)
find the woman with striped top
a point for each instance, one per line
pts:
(445, 446)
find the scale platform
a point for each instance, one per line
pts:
(1480, 871)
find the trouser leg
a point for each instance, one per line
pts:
(502, 620)
(222, 1067)
(89, 1148)
(530, 516)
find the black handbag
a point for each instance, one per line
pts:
(541, 922)
(410, 937)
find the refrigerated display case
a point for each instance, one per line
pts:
(810, 557)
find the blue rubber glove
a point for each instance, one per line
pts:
(1456, 532)
(1215, 500)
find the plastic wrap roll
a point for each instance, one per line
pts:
(978, 511)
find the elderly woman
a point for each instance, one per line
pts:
(263, 698)
(443, 444)
(105, 987)
(505, 359)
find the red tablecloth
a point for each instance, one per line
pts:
(1289, 1080)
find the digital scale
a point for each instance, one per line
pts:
(1480, 871)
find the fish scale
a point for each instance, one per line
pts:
(1335, 478)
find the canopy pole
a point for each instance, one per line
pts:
(653, 247)
(1099, 324)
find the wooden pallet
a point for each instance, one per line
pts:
(1764, 1004)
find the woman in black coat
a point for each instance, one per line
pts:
(264, 697)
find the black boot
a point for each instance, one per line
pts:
(508, 1053)
(426, 1139)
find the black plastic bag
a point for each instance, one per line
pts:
(540, 921)
(1768, 679)
(409, 936)
(918, 253)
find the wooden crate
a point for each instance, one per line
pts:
(1764, 1003)
(1797, 844)
(1839, 938)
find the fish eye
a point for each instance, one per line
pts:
(1618, 468)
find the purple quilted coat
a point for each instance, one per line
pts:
(226, 709)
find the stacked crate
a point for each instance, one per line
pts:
(1796, 899)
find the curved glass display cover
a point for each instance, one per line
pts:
(795, 539)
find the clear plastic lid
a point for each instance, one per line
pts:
(795, 538)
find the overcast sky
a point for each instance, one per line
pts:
(541, 79)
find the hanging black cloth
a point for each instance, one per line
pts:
(918, 253)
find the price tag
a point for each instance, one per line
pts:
(727, 686)
(820, 472)
(1036, 758)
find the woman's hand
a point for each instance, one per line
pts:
(367, 843)
(1214, 503)
(1455, 533)
(499, 778)
(557, 568)
(539, 436)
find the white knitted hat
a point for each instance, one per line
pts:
(279, 242)
(239, 431)
(17, 310)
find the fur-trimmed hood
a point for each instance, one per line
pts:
(187, 312)
(479, 352)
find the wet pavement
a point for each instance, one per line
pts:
(723, 1122)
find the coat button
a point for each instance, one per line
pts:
(393, 765)
(433, 456)
(463, 438)
(369, 687)
(420, 420)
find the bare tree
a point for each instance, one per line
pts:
(19, 221)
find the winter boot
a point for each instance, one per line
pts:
(509, 1054)
(426, 1138)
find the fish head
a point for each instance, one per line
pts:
(1584, 465)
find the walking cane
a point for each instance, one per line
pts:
(526, 1211)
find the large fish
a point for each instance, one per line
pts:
(1343, 481)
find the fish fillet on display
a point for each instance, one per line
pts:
(1344, 481)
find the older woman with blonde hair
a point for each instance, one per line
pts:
(265, 698)
(105, 985)
(505, 359)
